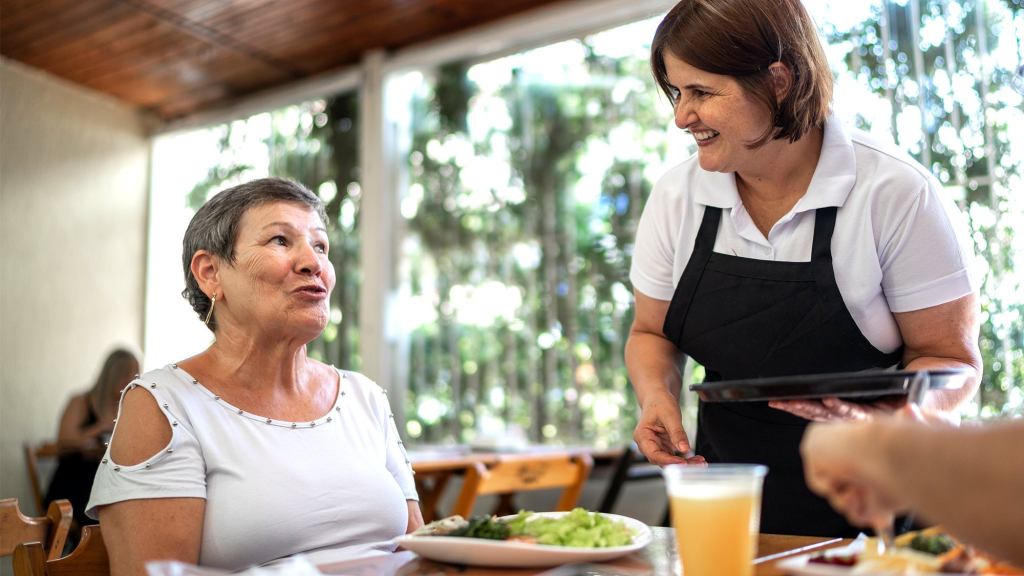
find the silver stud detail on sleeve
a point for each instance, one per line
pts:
(294, 425)
(104, 461)
(311, 424)
(152, 385)
(175, 423)
(240, 411)
(328, 418)
(269, 420)
(117, 468)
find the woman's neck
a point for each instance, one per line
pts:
(770, 189)
(280, 364)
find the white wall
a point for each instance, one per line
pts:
(73, 182)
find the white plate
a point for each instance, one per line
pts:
(482, 552)
(799, 566)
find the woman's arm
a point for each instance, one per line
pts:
(415, 516)
(137, 531)
(967, 479)
(72, 435)
(653, 365)
(944, 336)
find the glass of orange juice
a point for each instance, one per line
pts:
(716, 511)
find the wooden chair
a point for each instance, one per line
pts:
(631, 466)
(512, 474)
(33, 454)
(88, 559)
(52, 529)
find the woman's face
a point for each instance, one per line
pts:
(719, 115)
(281, 280)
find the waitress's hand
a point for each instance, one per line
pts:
(659, 434)
(834, 409)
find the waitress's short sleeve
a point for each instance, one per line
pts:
(651, 272)
(927, 258)
(176, 471)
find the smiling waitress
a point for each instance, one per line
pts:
(787, 245)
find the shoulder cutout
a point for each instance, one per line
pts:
(142, 429)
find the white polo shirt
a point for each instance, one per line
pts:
(899, 244)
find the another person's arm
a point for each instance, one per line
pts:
(73, 434)
(415, 516)
(966, 479)
(137, 531)
(653, 365)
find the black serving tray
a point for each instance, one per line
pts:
(862, 385)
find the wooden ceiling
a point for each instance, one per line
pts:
(177, 57)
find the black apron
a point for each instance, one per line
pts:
(746, 318)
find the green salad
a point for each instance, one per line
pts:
(578, 529)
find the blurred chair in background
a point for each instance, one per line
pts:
(513, 474)
(40, 463)
(631, 466)
(50, 531)
(88, 559)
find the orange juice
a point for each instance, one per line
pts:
(716, 514)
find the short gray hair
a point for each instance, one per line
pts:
(214, 227)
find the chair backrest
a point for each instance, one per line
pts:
(33, 455)
(512, 474)
(88, 559)
(50, 530)
(630, 466)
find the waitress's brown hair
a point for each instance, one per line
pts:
(742, 38)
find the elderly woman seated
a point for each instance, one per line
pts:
(251, 451)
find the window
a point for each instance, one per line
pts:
(314, 143)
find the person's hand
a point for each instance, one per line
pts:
(930, 417)
(833, 409)
(841, 466)
(659, 434)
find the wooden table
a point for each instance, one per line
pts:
(434, 467)
(657, 559)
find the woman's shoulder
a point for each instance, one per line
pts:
(167, 377)
(885, 162)
(358, 383)
(171, 387)
(372, 396)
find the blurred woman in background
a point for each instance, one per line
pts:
(85, 425)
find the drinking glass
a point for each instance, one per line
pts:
(716, 511)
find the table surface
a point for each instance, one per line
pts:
(657, 559)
